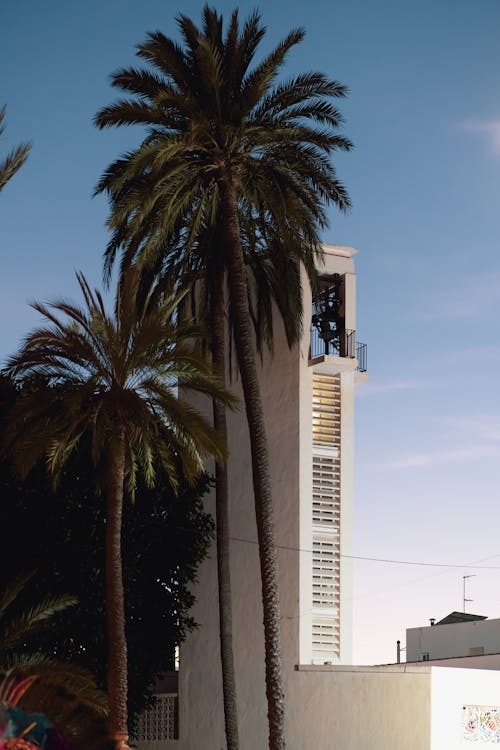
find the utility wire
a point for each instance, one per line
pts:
(379, 559)
(361, 557)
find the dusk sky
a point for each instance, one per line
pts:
(424, 179)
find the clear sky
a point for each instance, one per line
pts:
(424, 114)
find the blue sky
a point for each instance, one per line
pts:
(424, 115)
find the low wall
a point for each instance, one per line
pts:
(360, 708)
(393, 707)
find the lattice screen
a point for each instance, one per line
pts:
(159, 722)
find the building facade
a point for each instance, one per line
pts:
(308, 401)
(459, 640)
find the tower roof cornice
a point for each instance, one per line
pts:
(341, 250)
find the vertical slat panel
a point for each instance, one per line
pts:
(326, 517)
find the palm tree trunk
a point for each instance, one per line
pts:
(260, 463)
(222, 522)
(115, 611)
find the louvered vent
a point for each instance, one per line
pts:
(326, 573)
(326, 410)
(326, 491)
(326, 639)
(326, 517)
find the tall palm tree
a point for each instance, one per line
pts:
(115, 377)
(231, 150)
(14, 160)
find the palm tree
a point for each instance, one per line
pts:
(14, 160)
(113, 377)
(231, 151)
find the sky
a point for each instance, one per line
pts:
(424, 178)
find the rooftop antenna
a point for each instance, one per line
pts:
(471, 575)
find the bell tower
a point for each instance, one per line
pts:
(335, 363)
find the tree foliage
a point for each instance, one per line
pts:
(61, 534)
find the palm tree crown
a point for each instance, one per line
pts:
(106, 370)
(214, 122)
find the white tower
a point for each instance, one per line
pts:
(308, 396)
(329, 370)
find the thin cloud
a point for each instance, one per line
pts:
(486, 427)
(376, 389)
(474, 297)
(489, 353)
(487, 129)
(436, 458)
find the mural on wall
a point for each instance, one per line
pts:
(481, 724)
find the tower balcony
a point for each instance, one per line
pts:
(343, 344)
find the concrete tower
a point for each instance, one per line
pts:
(308, 398)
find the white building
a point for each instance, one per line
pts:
(308, 400)
(459, 640)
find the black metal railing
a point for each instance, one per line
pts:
(361, 356)
(345, 345)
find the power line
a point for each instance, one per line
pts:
(389, 561)
(425, 564)
(380, 559)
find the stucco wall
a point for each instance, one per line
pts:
(343, 708)
(200, 703)
(360, 708)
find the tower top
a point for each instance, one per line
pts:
(341, 250)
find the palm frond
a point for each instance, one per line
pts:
(14, 160)
(30, 620)
(12, 591)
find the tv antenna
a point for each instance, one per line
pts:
(471, 575)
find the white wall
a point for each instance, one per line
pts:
(488, 661)
(451, 689)
(455, 639)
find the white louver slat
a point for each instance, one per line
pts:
(326, 517)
